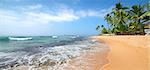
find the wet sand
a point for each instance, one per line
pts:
(91, 60)
(127, 52)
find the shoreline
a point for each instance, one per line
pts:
(127, 52)
(107, 53)
(59, 57)
(94, 59)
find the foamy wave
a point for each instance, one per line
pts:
(54, 37)
(21, 39)
(53, 57)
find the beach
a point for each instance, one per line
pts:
(127, 52)
(74, 35)
(115, 53)
(94, 53)
(94, 59)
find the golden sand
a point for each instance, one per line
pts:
(127, 52)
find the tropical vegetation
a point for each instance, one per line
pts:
(126, 20)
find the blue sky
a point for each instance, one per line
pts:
(55, 17)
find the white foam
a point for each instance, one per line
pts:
(56, 55)
(20, 39)
(54, 37)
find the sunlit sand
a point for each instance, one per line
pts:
(127, 52)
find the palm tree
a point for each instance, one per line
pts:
(127, 21)
(98, 27)
(118, 18)
(136, 16)
(103, 30)
(146, 16)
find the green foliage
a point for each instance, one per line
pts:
(104, 31)
(98, 27)
(125, 20)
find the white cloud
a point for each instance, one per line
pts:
(38, 17)
(93, 13)
(32, 17)
(7, 16)
(41, 17)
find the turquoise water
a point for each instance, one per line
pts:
(40, 50)
(9, 45)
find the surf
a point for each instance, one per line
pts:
(20, 38)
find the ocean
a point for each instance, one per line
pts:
(41, 50)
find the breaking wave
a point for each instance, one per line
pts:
(20, 38)
(55, 58)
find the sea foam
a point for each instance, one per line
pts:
(52, 57)
(20, 39)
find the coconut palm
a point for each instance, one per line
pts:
(127, 21)
(118, 18)
(146, 16)
(137, 14)
(98, 27)
(103, 29)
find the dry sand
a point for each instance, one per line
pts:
(127, 52)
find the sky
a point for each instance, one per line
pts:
(55, 17)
